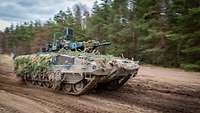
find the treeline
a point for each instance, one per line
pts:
(161, 32)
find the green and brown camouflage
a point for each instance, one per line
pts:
(75, 72)
(75, 67)
(32, 64)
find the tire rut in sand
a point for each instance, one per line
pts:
(143, 94)
(149, 97)
(58, 101)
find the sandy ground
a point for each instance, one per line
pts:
(153, 90)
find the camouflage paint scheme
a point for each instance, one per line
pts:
(75, 72)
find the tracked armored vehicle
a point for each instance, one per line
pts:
(75, 72)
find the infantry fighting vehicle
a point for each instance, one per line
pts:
(71, 67)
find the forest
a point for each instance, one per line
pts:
(158, 32)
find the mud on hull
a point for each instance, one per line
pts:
(78, 84)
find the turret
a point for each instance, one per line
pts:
(66, 42)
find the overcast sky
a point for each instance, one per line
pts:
(18, 11)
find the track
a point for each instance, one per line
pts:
(154, 90)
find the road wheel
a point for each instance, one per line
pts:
(67, 88)
(79, 86)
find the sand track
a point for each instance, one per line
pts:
(154, 90)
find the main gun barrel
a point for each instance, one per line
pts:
(104, 44)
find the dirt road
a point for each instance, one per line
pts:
(154, 90)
